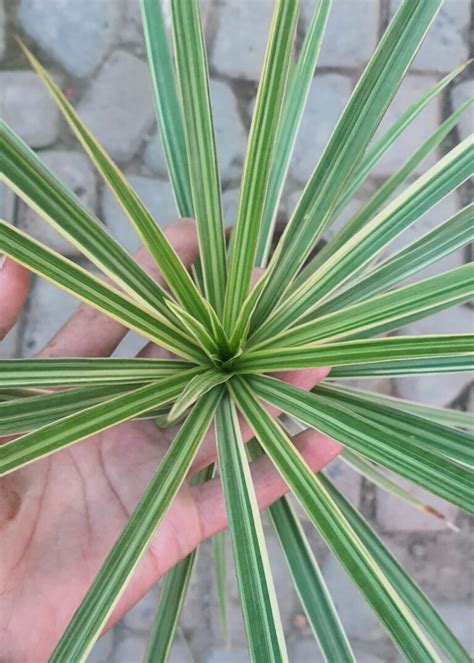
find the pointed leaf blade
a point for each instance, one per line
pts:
(103, 595)
(258, 598)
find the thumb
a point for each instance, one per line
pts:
(14, 282)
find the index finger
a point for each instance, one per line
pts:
(14, 282)
(90, 333)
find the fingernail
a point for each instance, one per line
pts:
(2, 261)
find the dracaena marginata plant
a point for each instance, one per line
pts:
(230, 338)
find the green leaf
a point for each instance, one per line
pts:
(379, 147)
(354, 130)
(191, 65)
(148, 230)
(17, 394)
(258, 160)
(259, 605)
(43, 373)
(446, 238)
(220, 577)
(168, 110)
(334, 528)
(89, 619)
(307, 578)
(451, 171)
(95, 419)
(384, 192)
(436, 438)
(89, 289)
(414, 366)
(41, 190)
(172, 596)
(24, 414)
(446, 416)
(385, 312)
(382, 444)
(441, 350)
(171, 603)
(198, 331)
(419, 605)
(298, 88)
(375, 474)
(194, 390)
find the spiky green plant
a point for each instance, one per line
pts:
(228, 336)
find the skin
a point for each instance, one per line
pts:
(60, 516)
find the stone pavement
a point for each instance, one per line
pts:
(95, 50)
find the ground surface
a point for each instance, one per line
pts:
(95, 48)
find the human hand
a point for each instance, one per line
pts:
(60, 516)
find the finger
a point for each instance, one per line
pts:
(316, 449)
(89, 333)
(153, 351)
(203, 512)
(14, 282)
(208, 503)
(302, 379)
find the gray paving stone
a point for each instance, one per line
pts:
(363, 654)
(76, 34)
(230, 206)
(131, 30)
(9, 344)
(7, 203)
(303, 650)
(239, 53)
(231, 137)
(27, 108)
(118, 106)
(180, 653)
(412, 88)
(140, 617)
(396, 516)
(440, 390)
(155, 194)
(327, 98)
(48, 309)
(445, 46)
(346, 479)
(2, 29)
(221, 655)
(102, 650)
(130, 346)
(460, 618)
(154, 156)
(76, 171)
(459, 95)
(470, 402)
(130, 649)
(351, 33)
(356, 616)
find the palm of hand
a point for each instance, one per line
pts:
(60, 517)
